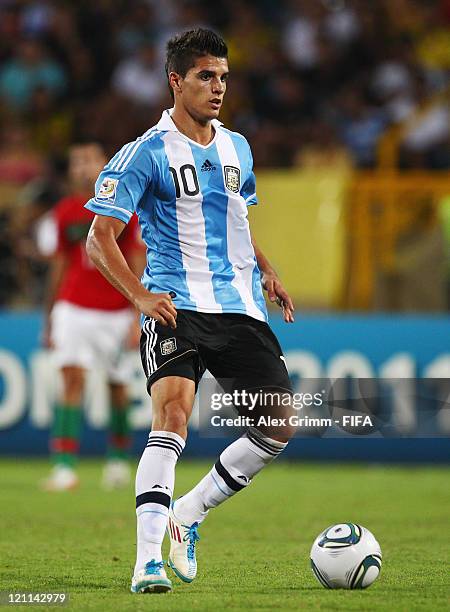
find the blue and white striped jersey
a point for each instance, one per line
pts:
(191, 201)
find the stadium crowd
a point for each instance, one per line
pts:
(314, 82)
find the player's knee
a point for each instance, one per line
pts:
(280, 434)
(73, 385)
(119, 396)
(283, 433)
(276, 419)
(283, 437)
(176, 414)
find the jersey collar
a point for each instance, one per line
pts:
(166, 124)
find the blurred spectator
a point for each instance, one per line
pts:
(239, 108)
(342, 24)
(285, 97)
(98, 120)
(250, 41)
(32, 233)
(393, 80)
(19, 161)
(65, 38)
(8, 261)
(28, 69)
(136, 29)
(176, 16)
(51, 125)
(36, 18)
(141, 78)
(427, 136)
(433, 44)
(301, 33)
(321, 149)
(360, 126)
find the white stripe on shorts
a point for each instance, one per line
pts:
(152, 348)
(149, 328)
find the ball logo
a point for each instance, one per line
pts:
(339, 536)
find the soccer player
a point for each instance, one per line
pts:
(190, 181)
(88, 323)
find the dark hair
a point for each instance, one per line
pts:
(184, 49)
(83, 141)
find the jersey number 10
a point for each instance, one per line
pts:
(189, 180)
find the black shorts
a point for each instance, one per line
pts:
(239, 351)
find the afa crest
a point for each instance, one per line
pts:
(168, 346)
(232, 178)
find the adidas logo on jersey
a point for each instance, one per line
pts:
(207, 166)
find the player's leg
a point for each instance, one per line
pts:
(235, 468)
(251, 361)
(172, 367)
(172, 401)
(116, 473)
(111, 334)
(72, 332)
(65, 433)
(233, 471)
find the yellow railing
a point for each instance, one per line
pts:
(382, 208)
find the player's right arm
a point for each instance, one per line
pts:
(58, 266)
(104, 252)
(135, 254)
(118, 192)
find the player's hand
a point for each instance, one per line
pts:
(159, 306)
(277, 293)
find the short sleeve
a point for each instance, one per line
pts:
(122, 183)
(248, 190)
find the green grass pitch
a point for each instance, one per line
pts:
(254, 549)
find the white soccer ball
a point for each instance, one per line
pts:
(346, 556)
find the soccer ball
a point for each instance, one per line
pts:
(346, 556)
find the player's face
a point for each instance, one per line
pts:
(202, 90)
(85, 164)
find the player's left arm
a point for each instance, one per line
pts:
(269, 279)
(272, 284)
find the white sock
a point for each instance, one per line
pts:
(234, 470)
(155, 478)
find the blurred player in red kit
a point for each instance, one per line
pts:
(88, 323)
